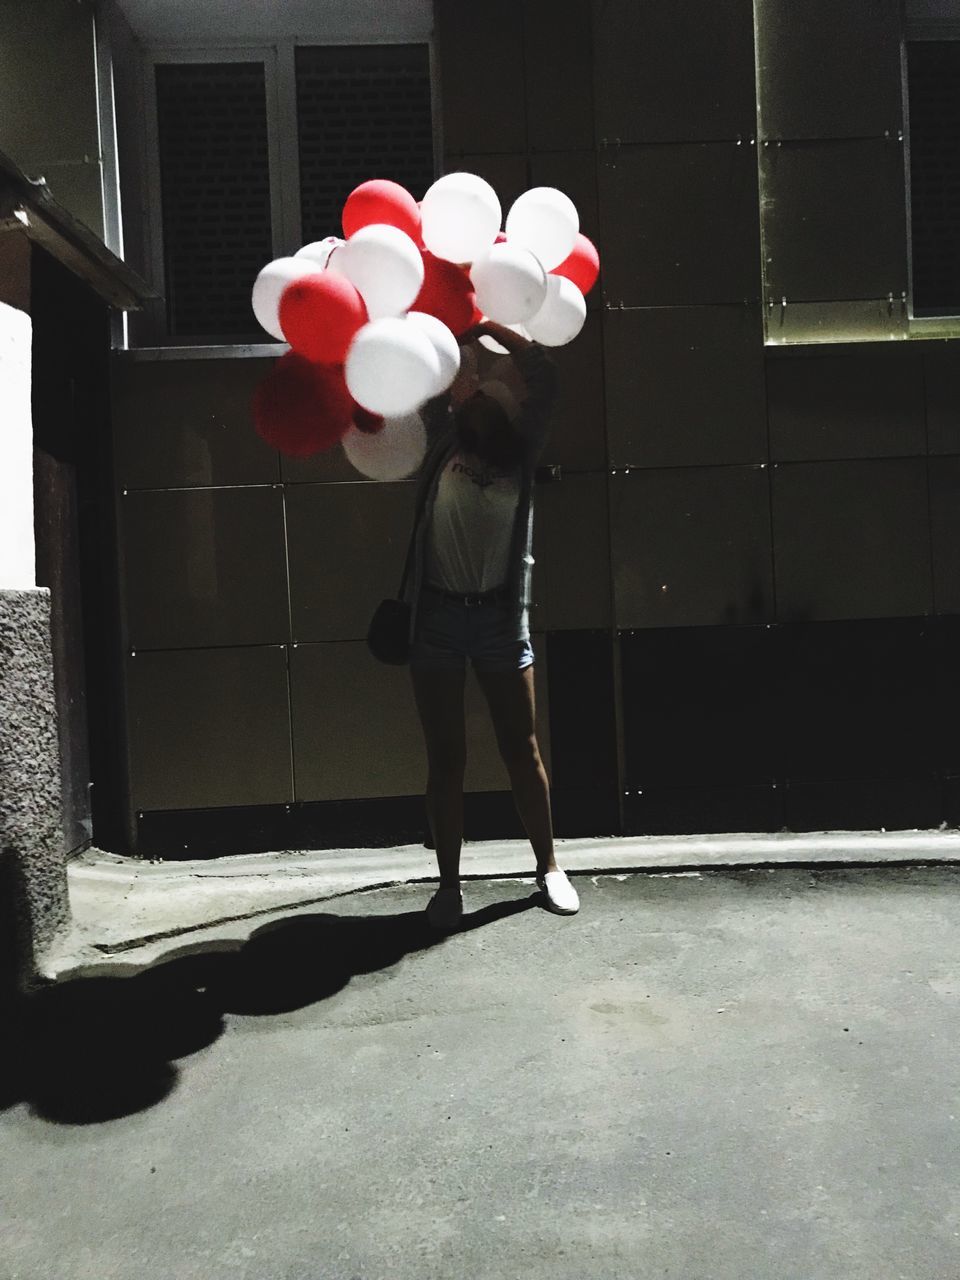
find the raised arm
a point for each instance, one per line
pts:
(540, 375)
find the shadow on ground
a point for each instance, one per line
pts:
(94, 1049)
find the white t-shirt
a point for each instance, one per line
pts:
(468, 548)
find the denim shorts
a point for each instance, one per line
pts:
(489, 634)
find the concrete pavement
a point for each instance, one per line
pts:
(130, 913)
(717, 1074)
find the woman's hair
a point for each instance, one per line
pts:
(484, 428)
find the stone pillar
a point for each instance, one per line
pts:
(33, 883)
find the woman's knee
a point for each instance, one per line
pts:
(447, 762)
(521, 754)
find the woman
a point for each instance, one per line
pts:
(469, 588)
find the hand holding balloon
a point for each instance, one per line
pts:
(508, 338)
(385, 319)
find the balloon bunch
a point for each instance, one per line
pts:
(373, 319)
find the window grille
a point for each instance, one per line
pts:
(933, 73)
(215, 194)
(363, 112)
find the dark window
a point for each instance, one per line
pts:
(362, 112)
(215, 195)
(933, 73)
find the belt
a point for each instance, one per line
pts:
(496, 596)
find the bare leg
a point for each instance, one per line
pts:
(510, 696)
(439, 698)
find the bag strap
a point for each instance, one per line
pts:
(407, 562)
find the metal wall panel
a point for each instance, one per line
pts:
(204, 567)
(507, 173)
(480, 55)
(945, 678)
(346, 547)
(855, 700)
(945, 523)
(853, 404)
(209, 727)
(893, 804)
(828, 70)
(941, 379)
(188, 422)
(852, 539)
(675, 811)
(691, 547)
(357, 734)
(571, 583)
(685, 386)
(355, 727)
(699, 706)
(834, 223)
(679, 224)
(583, 725)
(558, 61)
(577, 437)
(674, 70)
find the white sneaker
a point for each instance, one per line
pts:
(445, 909)
(560, 894)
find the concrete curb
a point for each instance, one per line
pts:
(130, 914)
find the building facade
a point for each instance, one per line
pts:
(747, 588)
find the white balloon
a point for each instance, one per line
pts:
(392, 453)
(392, 367)
(562, 315)
(320, 251)
(503, 395)
(270, 284)
(385, 267)
(546, 222)
(459, 217)
(493, 345)
(510, 284)
(447, 347)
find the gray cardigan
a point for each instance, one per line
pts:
(540, 376)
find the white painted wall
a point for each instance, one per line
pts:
(17, 552)
(329, 21)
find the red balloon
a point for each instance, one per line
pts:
(319, 315)
(418, 238)
(501, 237)
(302, 408)
(582, 266)
(446, 293)
(380, 200)
(367, 422)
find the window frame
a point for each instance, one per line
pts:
(916, 31)
(283, 150)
